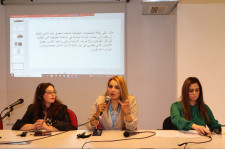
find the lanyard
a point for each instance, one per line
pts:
(115, 116)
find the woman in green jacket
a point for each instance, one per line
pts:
(192, 112)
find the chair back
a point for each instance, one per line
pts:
(73, 117)
(168, 125)
(98, 126)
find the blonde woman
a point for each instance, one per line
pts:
(120, 113)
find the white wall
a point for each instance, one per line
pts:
(3, 74)
(201, 50)
(150, 42)
(151, 64)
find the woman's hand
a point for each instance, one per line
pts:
(201, 130)
(39, 124)
(45, 126)
(126, 110)
(101, 108)
(125, 106)
(95, 117)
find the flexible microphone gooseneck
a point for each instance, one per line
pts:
(107, 100)
(11, 108)
(85, 123)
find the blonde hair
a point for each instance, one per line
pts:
(122, 85)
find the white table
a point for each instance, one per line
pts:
(68, 140)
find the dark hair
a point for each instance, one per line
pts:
(199, 103)
(39, 103)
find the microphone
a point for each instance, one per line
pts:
(107, 100)
(14, 104)
(130, 133)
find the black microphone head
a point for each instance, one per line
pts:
(126, 134)
(107, 99)
(21, 100)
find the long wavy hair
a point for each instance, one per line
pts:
(39, 103)
(199, 103)
(122, 85)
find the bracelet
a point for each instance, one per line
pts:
(95, 117)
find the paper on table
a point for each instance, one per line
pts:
(175, 134)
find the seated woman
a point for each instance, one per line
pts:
(192, 112)
(46, 113)
(121, 111)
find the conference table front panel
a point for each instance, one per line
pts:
(111, 138)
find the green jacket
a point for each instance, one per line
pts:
(177, 117)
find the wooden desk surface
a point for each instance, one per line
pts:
(68, 140)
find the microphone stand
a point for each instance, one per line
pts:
(96, 132)
(1, 125)
(7, 113)
(1, 118)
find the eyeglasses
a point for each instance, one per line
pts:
(50, 92)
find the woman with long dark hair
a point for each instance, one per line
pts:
(46, 112)
(192, 112)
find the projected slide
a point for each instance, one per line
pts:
(67, 44)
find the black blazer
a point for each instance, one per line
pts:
(62, 122)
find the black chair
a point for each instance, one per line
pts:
(168, 125)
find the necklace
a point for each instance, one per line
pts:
(114, 106)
